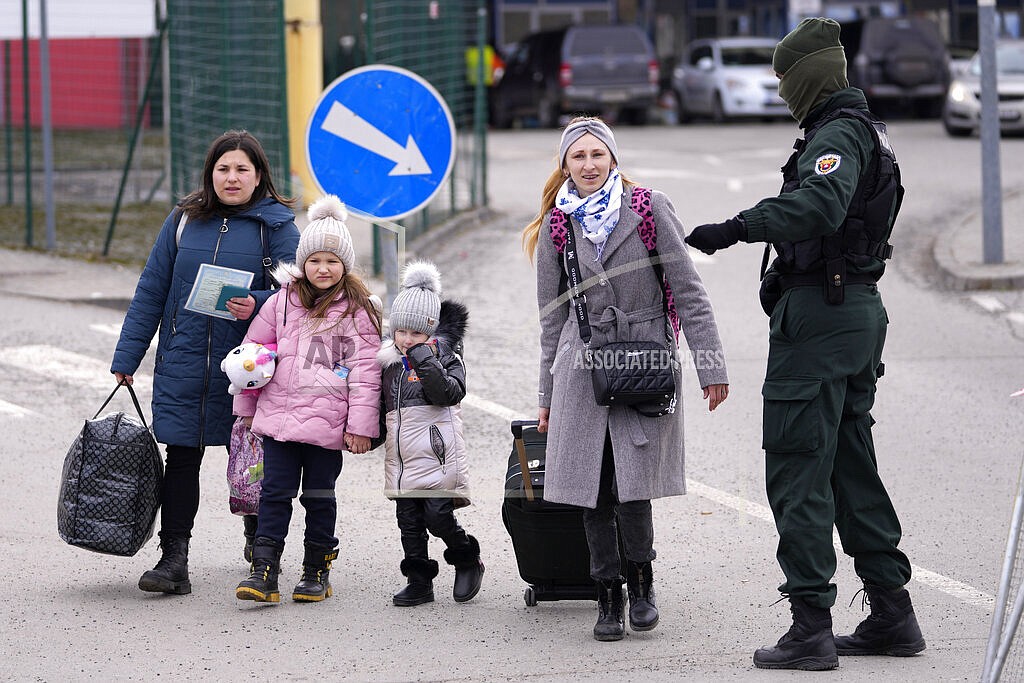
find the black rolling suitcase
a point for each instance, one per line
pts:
(548, 538)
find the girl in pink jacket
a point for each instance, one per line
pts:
(324, 397)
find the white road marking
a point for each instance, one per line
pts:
(989, 303)
(957, 589)
(67, 367)
(1015, 317)
(114, 330)
(14, 410)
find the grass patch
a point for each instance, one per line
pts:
(82, 230)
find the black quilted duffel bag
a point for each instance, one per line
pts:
(110, 487)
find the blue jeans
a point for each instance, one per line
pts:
(286, 465)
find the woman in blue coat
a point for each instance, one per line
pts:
(236, 219)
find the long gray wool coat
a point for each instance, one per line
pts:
(624, 302)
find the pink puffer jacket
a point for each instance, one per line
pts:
(308, 400)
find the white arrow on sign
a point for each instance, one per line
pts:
(347, 125)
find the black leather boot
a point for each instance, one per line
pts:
(469, 570)
(249, 524)
(891, 628)
(643, 613)
(261, 585)
(610, 625)
(170, 575)
(421, 575)
(808, 645)
(315, 584)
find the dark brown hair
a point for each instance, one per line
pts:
(204, 203)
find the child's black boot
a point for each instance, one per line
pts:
(315, 584)
(421, 573)
(261, 585)
(249, 524)
(469, 570)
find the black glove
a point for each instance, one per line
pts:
(711, 237)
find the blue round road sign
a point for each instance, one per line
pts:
(382, 139)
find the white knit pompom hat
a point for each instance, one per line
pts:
(418, 306)
(326, 232)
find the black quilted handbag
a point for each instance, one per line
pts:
(110, 486)
(638, 374)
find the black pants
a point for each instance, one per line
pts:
(604, 524)
(179, 499)
(417, 516)
(286, 465)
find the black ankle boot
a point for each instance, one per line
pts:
(469, 570)
(891, 628)
(420, 590)
(643, 613)
(170, 575)
(807, 645)
(315, 584)
(249, 530)
(261, 585)
(610, 625)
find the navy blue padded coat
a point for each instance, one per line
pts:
(191, 404)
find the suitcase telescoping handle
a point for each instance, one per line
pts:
(524, 467)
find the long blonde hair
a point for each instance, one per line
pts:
(531, 233)
(317, 302)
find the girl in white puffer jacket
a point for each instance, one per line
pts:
(425, 466)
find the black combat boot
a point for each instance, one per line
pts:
(249, 524)
(891, 628)
(420, 573)
(643, 613)
(261, 585)
(469, 570)
(170, 575)
(315, 584)
(609, 624)
(807, 645)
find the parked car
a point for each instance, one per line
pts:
(962, 112)
(605, 69)
(725, 78)
(898, 61)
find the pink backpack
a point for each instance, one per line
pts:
(640, 201)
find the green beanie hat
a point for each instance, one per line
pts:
(810, 36)
(812, 63)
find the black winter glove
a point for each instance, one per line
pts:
(711, 237)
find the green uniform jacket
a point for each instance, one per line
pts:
(830, 169)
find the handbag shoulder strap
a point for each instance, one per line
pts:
(267, 261)
(575, 285)
(135, 400)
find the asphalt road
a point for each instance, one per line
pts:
(947, 439)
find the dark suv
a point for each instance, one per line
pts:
(898, 61)
(594, 69)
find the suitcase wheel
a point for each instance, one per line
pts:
(530, 597)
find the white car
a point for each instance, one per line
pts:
(961, 114)
(724, 78)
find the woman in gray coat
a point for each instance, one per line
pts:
(613, 461)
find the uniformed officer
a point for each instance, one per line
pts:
(830, 226)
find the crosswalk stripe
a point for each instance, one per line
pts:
(14, 410)
(66, 367)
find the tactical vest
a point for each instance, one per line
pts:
(862, 238)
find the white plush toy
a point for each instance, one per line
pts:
(249, 367)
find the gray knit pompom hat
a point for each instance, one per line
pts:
(326, 232)
(418, 306)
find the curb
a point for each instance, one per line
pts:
(451, 227)
(958, 275)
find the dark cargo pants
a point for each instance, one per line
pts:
(819, 456)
